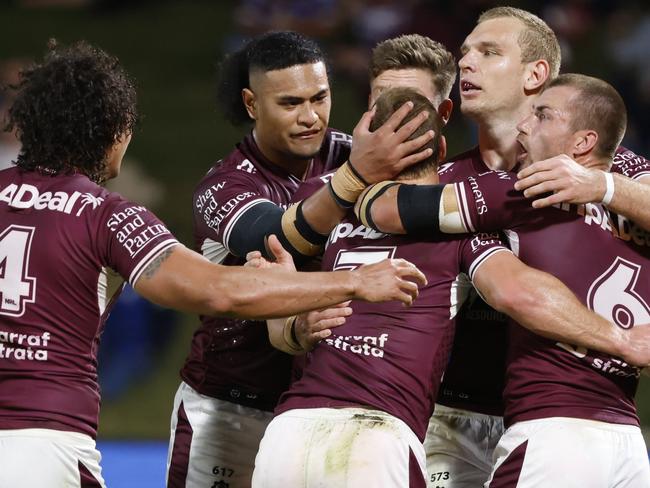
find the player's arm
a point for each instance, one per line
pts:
(182, 279)
(301, 333)
(543, 304)
(481, 203)
(561, 179)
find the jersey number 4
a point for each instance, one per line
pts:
(16, 287)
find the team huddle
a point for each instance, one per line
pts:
(456, 321)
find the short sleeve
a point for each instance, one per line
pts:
(221, 200)
(489, 202)
(477, 249)
(131, 237)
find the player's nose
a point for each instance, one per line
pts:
(307, 115)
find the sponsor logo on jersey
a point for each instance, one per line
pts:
(631, 164)
(483, 239)
(247, 166)
(131, 229)
(214, 213)
(620, 227)
(208, 195)
(28, 196)
(21, 347)
(604, 364)
(372, 346)
(348, 230)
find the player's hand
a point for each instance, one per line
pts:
(384, 153)
(313, 327)
(283, 259)
(637, 346)
(568, 181)
(390, 279)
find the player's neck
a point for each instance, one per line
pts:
(430, 178)
(592, 162)
(297, 166)
(497, 138)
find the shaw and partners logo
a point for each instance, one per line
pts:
(28, 196)
(132, 230)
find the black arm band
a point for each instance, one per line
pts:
(306, 230)
(419, 206)
(253, 226)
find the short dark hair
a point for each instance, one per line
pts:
(269, 52)
(419, 52)
(599, 107)
(70, 110)
(392, 99)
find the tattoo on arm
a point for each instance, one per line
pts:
(154, 265)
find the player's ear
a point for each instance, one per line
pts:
(442, 149)
(250, 102)
(584, 141)
(536, 75)
(444, 110)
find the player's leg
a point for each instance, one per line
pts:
(459, 447)
(572, 453)
(56, 459)
(212, 441)
(348, 447)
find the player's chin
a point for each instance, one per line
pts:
(470, 107)
(306, 149)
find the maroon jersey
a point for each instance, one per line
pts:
(475, 375)
(232, 359)
(386, 356)
(58, 237)
(605, 260)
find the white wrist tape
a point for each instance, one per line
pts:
(609, 189)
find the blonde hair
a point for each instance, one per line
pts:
(536, 41)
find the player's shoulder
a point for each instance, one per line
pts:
(630, 164)
(338, 137)
(67, 195)
(334, 151)
(461, 164)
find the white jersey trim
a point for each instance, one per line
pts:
(641, 175)
(214, 251)
(460, 289)
(484, 257)
(237, 216)
(102, 290)
(461, 199)
(150, 256)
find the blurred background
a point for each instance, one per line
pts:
(172, 48)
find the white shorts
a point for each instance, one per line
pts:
(212, 441)
(459, 447)
(339, 447)
(44, 457)
(571, 453)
